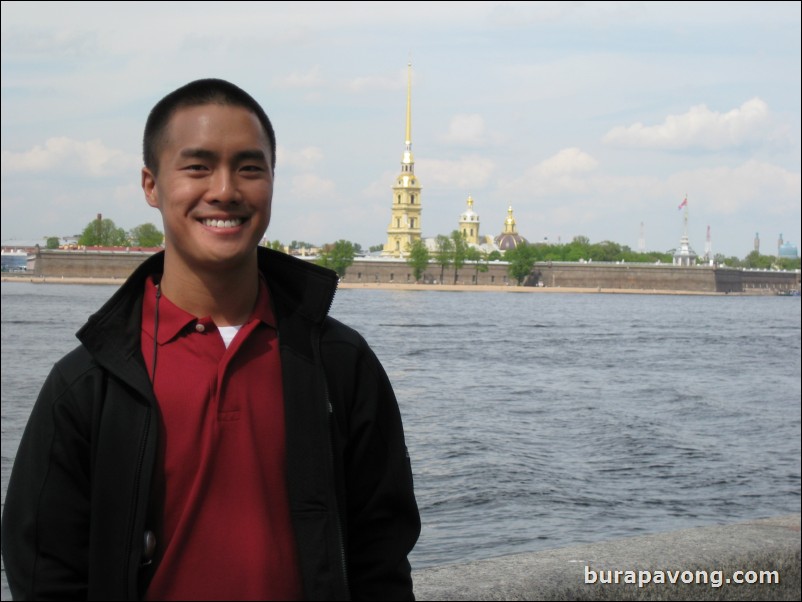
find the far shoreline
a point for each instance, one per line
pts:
(411, 287)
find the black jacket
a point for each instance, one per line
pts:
(77, 506)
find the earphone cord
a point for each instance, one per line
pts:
(156, 333)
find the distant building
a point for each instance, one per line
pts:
(787, 251)
(13, 260)
(509, 237)
(405, 224)
(685, 255)
(469, 224)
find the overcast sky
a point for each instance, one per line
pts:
(592, 119)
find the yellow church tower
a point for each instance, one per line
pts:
(404, 225)
(469, 224)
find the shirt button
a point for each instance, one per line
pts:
(200, 327)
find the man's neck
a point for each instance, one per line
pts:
(227, 296)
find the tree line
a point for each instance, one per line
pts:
(105, 233)
(451, 252)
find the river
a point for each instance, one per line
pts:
(541, 420)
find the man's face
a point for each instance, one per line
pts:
(214, 186)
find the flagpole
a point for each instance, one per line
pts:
(685, 227)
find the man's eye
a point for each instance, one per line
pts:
(252, 168)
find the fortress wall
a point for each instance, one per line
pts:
(87, 263)
(703, 279)
(627, 276)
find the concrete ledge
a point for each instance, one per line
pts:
(769, 545)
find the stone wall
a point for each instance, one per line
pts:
(703, 279)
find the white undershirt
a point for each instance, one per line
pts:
(228, 333)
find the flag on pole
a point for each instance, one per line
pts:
(683, 203)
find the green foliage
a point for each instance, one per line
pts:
(459, 250)
(522, 259)
(146, 235)
(103, 233)
(444, 253)
(418, 258)
(480, 260)
(789, 263)
(765, 262)
(52, 242)
(338, 256)
(374, 248)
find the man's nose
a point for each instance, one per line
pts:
(223, 187)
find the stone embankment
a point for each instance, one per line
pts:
(706, 563)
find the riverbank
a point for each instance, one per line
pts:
(752, 560)
(405, 287)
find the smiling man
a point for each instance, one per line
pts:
(216, 435)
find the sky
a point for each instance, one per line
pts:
(592, 119)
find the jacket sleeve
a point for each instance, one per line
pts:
(382, 519)
(46, 513)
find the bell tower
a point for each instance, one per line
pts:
(405, 224)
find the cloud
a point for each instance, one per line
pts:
(367, 83)
(304, 159)
(92, 158)
(471, 172)
(728, 190)
(569, 171)
(702, 128)
(310, 79)
(466, 130)
(311, 186)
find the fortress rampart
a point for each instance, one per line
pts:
(703, 279)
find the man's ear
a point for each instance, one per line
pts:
(149, 187)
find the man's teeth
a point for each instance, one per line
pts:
(222, 223)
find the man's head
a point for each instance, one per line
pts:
(209, 155)
(198, 92)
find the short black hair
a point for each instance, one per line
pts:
(199, 92)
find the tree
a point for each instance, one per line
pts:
(444, 253)
(479, 259)
(459, 251)
(522, 260)
(146, 235)
(758, 261)
(103, 233)
(52, 242)
(418, 258)
(338, 256)
(374, 248)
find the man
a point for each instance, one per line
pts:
(216, 435)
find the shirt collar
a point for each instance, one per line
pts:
(173, 320)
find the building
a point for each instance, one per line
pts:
(469, 224)
(509, 237)
(405, 218)
(685, 256)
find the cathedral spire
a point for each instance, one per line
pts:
(408, 161)
(409, 106)
(405, 218)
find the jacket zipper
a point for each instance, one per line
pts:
(135, 504)
(331, 426)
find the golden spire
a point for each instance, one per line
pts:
(408, 161)
(409, 105)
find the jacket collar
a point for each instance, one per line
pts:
(112, 334)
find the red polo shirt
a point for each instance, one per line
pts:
(226, 532)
